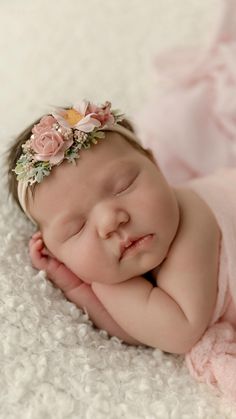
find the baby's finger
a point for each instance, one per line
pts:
(35, 249)
(39, 261)
(37, 235)
(45, 251)
(34, 239)
(38, 244)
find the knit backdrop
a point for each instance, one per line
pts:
(53, 363)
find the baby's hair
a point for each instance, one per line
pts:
(15, 150)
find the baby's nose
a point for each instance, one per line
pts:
(109, 220)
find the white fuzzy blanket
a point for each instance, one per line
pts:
(54, 364)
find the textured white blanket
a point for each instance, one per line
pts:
(54, 364)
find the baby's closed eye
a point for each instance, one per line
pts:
(123, 184)
(77, 229)
(72, 230)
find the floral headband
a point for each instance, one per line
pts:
(60, 136)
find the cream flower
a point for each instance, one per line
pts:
(77, 117)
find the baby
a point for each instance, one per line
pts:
(140, 256)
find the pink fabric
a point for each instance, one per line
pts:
(213, 358)
(191, 125)
(191, 128)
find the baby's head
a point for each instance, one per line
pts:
(104, 209)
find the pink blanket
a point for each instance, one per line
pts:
(191, 128)
(191, 125)
(213, 358)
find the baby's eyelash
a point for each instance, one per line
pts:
(77, 230)
(126, 186)
(81, 227)
(123, 188)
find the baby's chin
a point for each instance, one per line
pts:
(111, 278)
(150, 263)
(134, 267)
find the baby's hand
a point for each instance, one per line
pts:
(41, 258)
(75, 290)
(57, 272)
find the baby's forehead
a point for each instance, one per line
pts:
(103, 160)
(114, 150)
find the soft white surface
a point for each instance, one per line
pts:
(53, 363)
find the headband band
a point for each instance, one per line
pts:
(22, 191)
(61, 136)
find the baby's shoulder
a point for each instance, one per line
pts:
(197, 240)
(216, 189)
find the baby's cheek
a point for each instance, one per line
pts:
(80, 268)
(80, 273)
(90, 263)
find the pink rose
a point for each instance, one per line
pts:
(102, 114)
(45, 124)
(50, 146)
(104, 118)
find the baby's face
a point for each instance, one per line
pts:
(90, 212)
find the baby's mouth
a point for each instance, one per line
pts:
(133, 244)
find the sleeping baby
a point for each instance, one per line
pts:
(151, 261)
(106, 217)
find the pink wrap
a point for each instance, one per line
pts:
(191, 128)
(213, 358)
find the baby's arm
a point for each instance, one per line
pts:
(75, 290)
(149, 314)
